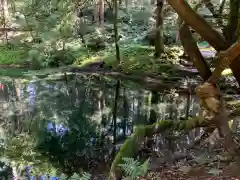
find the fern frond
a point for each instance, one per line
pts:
(133, 169)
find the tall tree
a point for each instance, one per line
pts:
(101, 12)
(4, 18)
(159, 45)
(115, 27)
(230, 31)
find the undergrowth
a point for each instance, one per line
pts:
(13, 55)
(135, 58)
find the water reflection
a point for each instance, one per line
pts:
(66, 126)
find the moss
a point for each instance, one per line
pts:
(131, 145)
(125, 150)
(135, 59)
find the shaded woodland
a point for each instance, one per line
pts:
(121, 57)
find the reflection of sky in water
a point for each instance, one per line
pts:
(32, 93)
(128, 131)
(59, 129)
(42, 177)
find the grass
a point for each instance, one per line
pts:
(13, 72)
(9, 56)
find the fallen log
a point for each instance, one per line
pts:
(15, 29)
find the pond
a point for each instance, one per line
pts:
(70, 124)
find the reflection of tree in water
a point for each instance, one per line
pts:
(73, 148)
(84, 106)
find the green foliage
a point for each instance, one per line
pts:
(136, 58)
(133, 169)
(20, 150)
(13, 55)
(13, 72)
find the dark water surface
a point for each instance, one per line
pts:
(58, 126)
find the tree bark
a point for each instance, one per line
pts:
(191, 48)
(230, 31)
(5, 15)
(188, 15)
(114, 116)
(213, 37)
(116, 37)
(101, 12)
(159, 45)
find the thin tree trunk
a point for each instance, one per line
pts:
(159, 45)
(116, 37)
(96, 12)
(153, 115)
(125, 112)
(114, 116)
(101, 13)
(5, 16)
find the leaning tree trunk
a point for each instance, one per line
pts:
(191, 48)
(213, 37)
(159, 45)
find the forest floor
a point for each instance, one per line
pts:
(202, 162)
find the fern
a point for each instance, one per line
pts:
(75, 176)
(133, 169)
(85, 176)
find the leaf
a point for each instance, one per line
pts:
(214, 171)
(185, 169)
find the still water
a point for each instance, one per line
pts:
(63, 126)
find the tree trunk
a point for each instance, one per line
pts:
(5, 15)
(159, 45)
(188, 15)
(101, 12)
(96, 12)
(114, 116)
(116, 37)
(191, 48)
(126, 4)
(125, 113)
(213, 37)
(230, 31)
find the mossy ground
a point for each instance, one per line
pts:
(135, 58)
